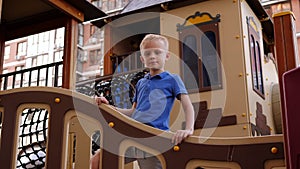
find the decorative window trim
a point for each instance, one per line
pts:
(198, 19)
(205, 23)
(255, 58)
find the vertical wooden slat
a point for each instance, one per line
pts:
(285, 45)
(0, 9)
(9, 131)
(107, 50)
(70, 54)
(2, 45)
(70, 150)
(82, 157)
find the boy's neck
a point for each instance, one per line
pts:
(155, 72)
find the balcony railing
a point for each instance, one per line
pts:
(45, 75)
(118, 88)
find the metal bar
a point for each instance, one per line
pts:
(38, 77)
(56, 76)
(21, 81)
(47, 75)
(29, 78)
(5, 83)
(13, 82)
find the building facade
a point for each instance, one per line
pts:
(47, 47)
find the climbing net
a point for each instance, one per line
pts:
(32, 138)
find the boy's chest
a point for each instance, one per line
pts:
(149, 85)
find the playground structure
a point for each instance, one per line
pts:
(55, 127)
(72, 114)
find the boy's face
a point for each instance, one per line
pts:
(154, 55)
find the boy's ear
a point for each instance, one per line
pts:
(168, 55)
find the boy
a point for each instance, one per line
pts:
(155, 95)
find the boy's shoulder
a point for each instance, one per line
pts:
(173, 75)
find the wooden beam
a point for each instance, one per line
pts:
(0, 9)
(69, 9)
(286, 54)
(2, 47)
(70, 54)
(108, 51)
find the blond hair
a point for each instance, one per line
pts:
(150, 37)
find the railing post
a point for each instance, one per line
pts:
(2, 46)
(286, 55)
(70, 54)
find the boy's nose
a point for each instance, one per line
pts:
(152, 55)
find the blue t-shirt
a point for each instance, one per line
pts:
(155, 98)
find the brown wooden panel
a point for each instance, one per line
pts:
(249, 155)
(202, 120)
(291, 93)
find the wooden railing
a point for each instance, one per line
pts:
(73, 116)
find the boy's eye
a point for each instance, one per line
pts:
(147, 53)
(157, 52)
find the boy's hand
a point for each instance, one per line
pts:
(101, 99)
(180, 135)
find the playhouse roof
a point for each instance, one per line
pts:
(141, 4)
(136, 6)
(16, 15)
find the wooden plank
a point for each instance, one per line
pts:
(286, 59)
(0, 9)
(70, 54)
(69, 9)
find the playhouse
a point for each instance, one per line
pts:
(230, 54)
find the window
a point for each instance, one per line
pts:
(111, 4)
(255, 54)
(18, 76)
(97, 3)
(17, 68)
(34, 61)
(80, 34)
(119, 3)
(94, 57)
(92, 30)
(22, 49)
(6, 52)
(104, 5)
(200, 53)
(59, 37)
(58, 56)
(125, 63)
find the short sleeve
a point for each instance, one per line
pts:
(179, 87)
(134, 99)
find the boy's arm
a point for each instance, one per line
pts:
(189, 118)
(127, 112)
(189, 112)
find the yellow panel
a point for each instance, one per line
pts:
(197, 20)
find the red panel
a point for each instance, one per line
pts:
(291, 93)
